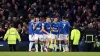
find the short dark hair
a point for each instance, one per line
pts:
(36, 17)
(47, 17)
(32, 17)
(65, 18)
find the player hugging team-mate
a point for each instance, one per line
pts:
(38, 33)
(54, 34)
(47, 36)
(51, 34)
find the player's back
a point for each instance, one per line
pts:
(64, 27)
(31, 27)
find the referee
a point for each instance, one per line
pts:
(11, 36)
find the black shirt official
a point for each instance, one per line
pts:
(90, 35)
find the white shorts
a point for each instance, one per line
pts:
(38, 36)
(31, 37)
(47, 36)
(53, 36)
(63, 37)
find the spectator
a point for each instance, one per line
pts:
(24, 32)
(1, 34)
(18, 11)
(90, 34)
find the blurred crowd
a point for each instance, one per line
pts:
(80, 12)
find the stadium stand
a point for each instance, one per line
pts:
(80, 12)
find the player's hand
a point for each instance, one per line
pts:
(4, 39)
(55, 30)
(19, 41)
(36, 24)
(47, 33)
(40, 30)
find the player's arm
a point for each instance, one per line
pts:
(34, 26)
(58, 28)
(69, 24)
(44, 29)
(54, 30)
(18, 36)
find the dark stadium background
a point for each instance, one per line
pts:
(80, 12)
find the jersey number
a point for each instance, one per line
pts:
(64, 25)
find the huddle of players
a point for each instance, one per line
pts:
(50, 34)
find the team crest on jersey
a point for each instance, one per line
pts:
(38, 28)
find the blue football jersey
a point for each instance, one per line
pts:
(47, 26)
(31, 24)
(54, 28)
(64, 27)
(38, 28)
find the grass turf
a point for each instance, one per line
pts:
(49, 53)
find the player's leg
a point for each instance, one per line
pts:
(31, 42)
(66, 41)
(46, 42)
(49, 41)
(60, 40)
(41, 42)
(56, 42)
(36, 42)
(52, 42)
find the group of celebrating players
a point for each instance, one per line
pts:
(52, 34)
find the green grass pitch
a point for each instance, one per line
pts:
(49, 53)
